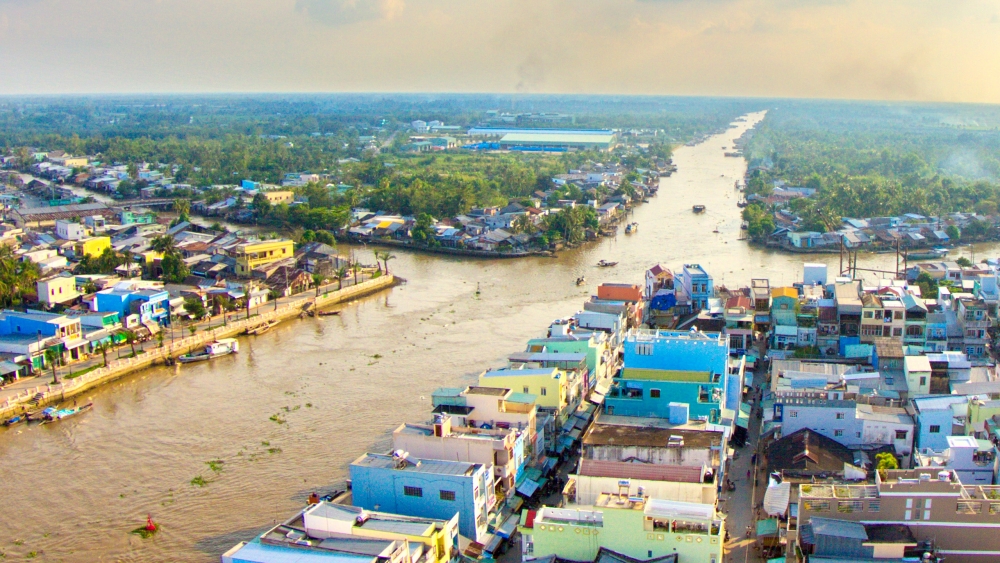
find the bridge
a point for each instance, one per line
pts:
(162, 203)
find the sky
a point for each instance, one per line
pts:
(927, 50)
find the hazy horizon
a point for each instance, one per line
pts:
(896, 50)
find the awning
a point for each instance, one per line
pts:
(633, 385)
(8, 367)
(74, 344)
(575, 434)
(767, 527)
(153, 326)
(596, 398)
(776, 498)
(509, 526)
(492, 543)
(527, 488)
(548, 465)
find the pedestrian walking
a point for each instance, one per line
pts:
(748, 474)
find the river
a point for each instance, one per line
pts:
(72, 491)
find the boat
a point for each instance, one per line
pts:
(606, 264)
(716, 230)
(698, 208)
(328, 313)
(628, 229)
(221, 347)
(581, 280)
(261, 329)
(931, 254)
(52, 414)
(16, 419)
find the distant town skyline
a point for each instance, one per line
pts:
(893, 49)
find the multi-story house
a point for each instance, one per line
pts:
(501, 449)
(427, 488)
(974, 320)
(739, 318)
(881, 318)
(974, 463)
(631, 528)
(595, 345)
(30, 333)
(664, 369)
(915, 321)
(827, 327)
(849, 308)
(760, 292)
(938, 417)
(250, 255)
(784, 306)
(500, 408)
(855, 425)
(958, 520)
(697, 284)
(556, 391)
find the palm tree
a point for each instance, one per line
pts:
(131, 337)
(51, 357)
(164, 244)
(378, 256)
(317, 280)
(183, 208)
(104, 346)
(340, 272)
(127, 261)
(386, 256)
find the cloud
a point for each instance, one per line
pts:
(347, 12)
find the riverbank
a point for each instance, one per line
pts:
(42, 395)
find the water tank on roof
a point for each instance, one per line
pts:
(678, 413)
(944, 476)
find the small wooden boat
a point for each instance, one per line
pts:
(628, 229)
(581, 280)
(329, 313)
(606, 264)
(932, 254)
(16, 419)
(698, 208)
(221, 347)
(261, 328)
(52, 414)
(716, 230)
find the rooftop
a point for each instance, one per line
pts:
(415, 465)
(644, 436)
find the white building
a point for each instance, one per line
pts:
(69, 230)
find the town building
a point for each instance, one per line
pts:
(250, 255)
(425, 488)
(92, 247)
(494, 407)
(502, 449)
(958, 520)
(57, 290)
(697, 284)
(636, 526)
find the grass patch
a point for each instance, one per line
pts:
(199, 481)
(74, 374)
(277, 418)
(215, 465)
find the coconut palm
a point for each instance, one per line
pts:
(386, 256)
(340, 272)
(51, 357)
(317, 281)
(164, 244)
(103, 347)
(131, 337)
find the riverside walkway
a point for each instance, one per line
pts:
(37, 391)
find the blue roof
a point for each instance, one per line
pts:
(256, 552)
(417, 465)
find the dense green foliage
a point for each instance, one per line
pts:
(870, 160)
(17, 278)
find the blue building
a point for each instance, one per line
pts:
(152, 305)
(665, 368)
(425, 487)
(31, 333)
(698, 285)
(934, 417)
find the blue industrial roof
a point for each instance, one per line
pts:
(256, 552)
(416, 465)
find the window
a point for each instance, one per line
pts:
(889, 380)
(935, 429)
(850, 506)
(897, 331)
(923, 381)
(413, 491)
(448, 495)
(869, 314)
(544, 391)
(644, 349)
(874, 505)
(840, 416)
(901, 434)
(793, 414)
(838, 433)
(857, 434)
(898, 315)
(526, 389)
(654, 393)
(963, 507)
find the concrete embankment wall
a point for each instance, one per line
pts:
(68, 388)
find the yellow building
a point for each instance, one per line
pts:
(93, 246)
(279, 196)
(249, 255)
(439, 537)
